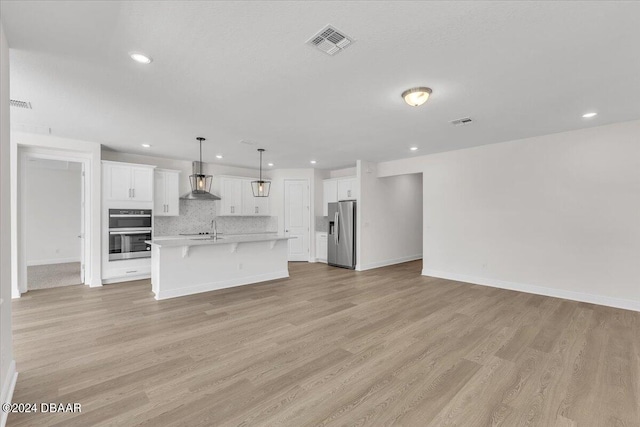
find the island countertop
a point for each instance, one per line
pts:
(224, 240)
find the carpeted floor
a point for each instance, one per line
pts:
(53, 275)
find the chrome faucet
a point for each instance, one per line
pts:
(214, 226)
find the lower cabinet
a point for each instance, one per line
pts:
(321, 246)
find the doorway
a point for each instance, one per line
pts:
(297, 217)
(53, 201)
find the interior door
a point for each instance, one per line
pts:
(296, 218)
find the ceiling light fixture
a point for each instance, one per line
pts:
(589, 115)
(313, 162)
(141, 57)
(146, 145)
(218, 156)
(413, 148)
(261, 187)
(416, 96)
(199, 181)
(270, 164)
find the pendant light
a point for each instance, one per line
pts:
(261, 187)
(200, 183)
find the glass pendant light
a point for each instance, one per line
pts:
(261, 187)
(200, 183)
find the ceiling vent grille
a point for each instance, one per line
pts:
(461, 122)
(20, 104)
(330, 40)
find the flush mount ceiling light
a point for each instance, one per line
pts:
(261, 187)
(416, 96)
(218, 156)
(140, 57)
(270, 164)
(146, 145)
(589, 115)
(313, 162)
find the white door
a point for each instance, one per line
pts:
(142, 184)
(296, 218)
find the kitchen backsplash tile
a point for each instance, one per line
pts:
(322, 223)
(196, 216)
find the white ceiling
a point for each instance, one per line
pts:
(230, 71)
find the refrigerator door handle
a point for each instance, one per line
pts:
(336, 231)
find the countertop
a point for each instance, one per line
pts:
(223, 240)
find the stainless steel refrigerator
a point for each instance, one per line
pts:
(342, 234)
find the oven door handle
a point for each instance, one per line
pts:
(130, 232)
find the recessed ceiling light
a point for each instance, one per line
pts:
(416, 96)
(218, 156)
(589, 115)
(413, 148)
(146, 145)
(313, 162)
(270, 164)
(141, 57)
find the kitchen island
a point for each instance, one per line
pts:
(189, 266)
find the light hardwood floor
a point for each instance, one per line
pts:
(326, 347)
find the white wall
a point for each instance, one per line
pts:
(556, 215)
(338, 173)
(53, 211)
(7, 364)
(389, 218)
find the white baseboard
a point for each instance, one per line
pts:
(221, 284)
(625, 304)
(52, 261)
(7, 390)
(387, 262)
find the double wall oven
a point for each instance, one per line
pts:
(128, 230)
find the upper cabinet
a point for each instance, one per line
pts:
(336, 189)
(166, 200)
(237, 198)
(128, 182)
(347, 188)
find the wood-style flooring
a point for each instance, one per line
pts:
(327, 346)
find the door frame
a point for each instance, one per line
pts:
(26, 153)
(284, 205)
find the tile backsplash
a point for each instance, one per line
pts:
(196, 216)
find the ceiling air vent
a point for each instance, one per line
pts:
(20, 104)
(330, 40)
(461, 122)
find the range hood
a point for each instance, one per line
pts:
(200, 183)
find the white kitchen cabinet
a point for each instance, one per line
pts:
(253, 206)
(336, 189)
(127, 182)
(231, 196)
(330, 194)
(321, 246)
(166, 199)
(347, 189)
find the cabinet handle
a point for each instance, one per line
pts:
(349, 193)
(133, 191)
(256, 209)
(233, 209)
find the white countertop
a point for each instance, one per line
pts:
(222, 240)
